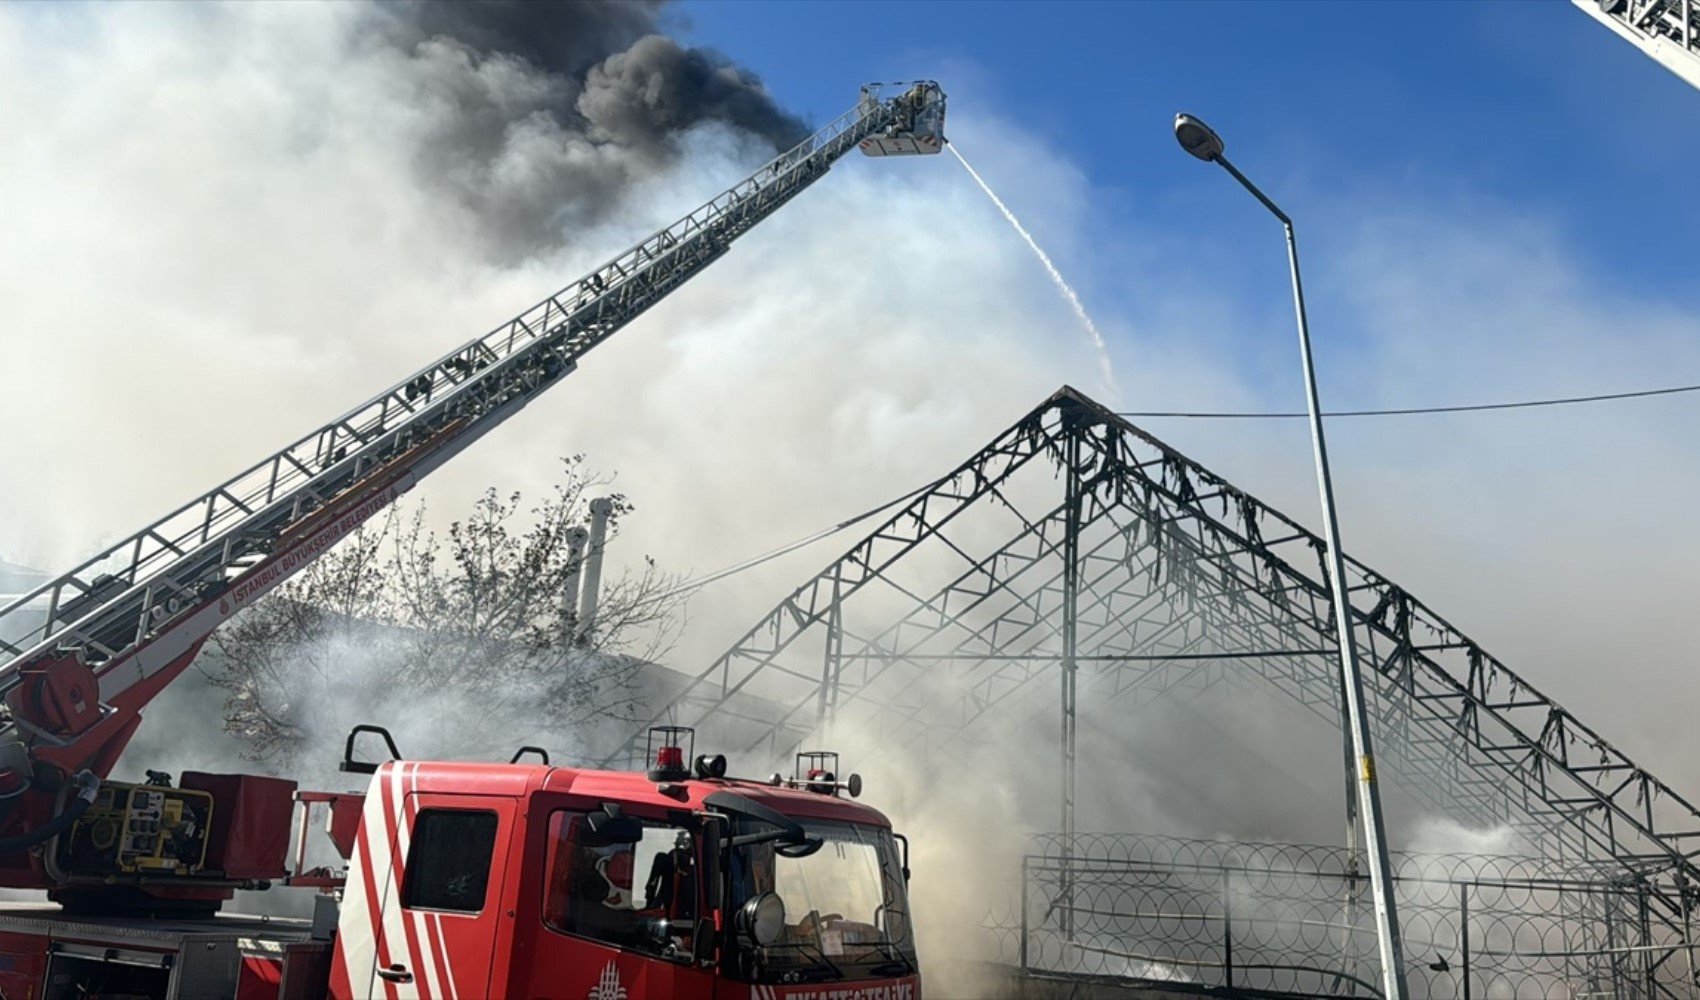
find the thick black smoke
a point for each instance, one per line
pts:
(541, 116)
(564, 38)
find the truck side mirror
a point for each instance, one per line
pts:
(713, 852)
(702, 942)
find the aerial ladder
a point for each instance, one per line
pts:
(1666, 30)
(84, 653)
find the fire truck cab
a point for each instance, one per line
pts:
(533, 881)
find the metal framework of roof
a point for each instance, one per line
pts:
(1077, 553)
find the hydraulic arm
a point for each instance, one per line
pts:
(81, 655)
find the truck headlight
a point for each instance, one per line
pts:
(762, 919)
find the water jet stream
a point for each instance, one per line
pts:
(1063, 286)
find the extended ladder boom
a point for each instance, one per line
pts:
(80, 655)
(1667, 30)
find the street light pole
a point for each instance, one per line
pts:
(1198, 139)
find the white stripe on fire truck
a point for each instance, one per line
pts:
(428, 968)
(392, 931)
(359, 903)
(387, 923)
(442, 956)
(372, 853)
(432, 937)
(429, 926)
(383, 851)
(362, 942)
(352, 942)
(398, 923)
(401, 785)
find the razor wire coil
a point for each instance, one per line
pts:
(1298, 920)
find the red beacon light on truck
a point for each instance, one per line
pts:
(667, 749)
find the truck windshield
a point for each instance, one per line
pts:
(846, 911)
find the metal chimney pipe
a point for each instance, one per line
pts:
(569, 587)
(590, 590)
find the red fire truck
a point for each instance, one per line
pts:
(516, 879)
(524, 880)
(468, 879)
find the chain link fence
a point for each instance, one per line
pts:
(1299, 921)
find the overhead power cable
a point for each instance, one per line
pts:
(697, 583)
(1409, 411)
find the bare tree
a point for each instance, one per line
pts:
(461, 644)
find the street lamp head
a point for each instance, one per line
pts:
(1197, 138)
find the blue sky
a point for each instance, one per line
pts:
(1528, 109)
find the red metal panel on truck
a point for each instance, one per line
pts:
(306, 971)
(260, 978)
(283, 970)
(23, 963)
(250, 822)
(573, 967)
(345, 822)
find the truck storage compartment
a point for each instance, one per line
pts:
(250, 823)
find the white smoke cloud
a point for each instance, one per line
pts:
(249, 255)
(254, 250)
